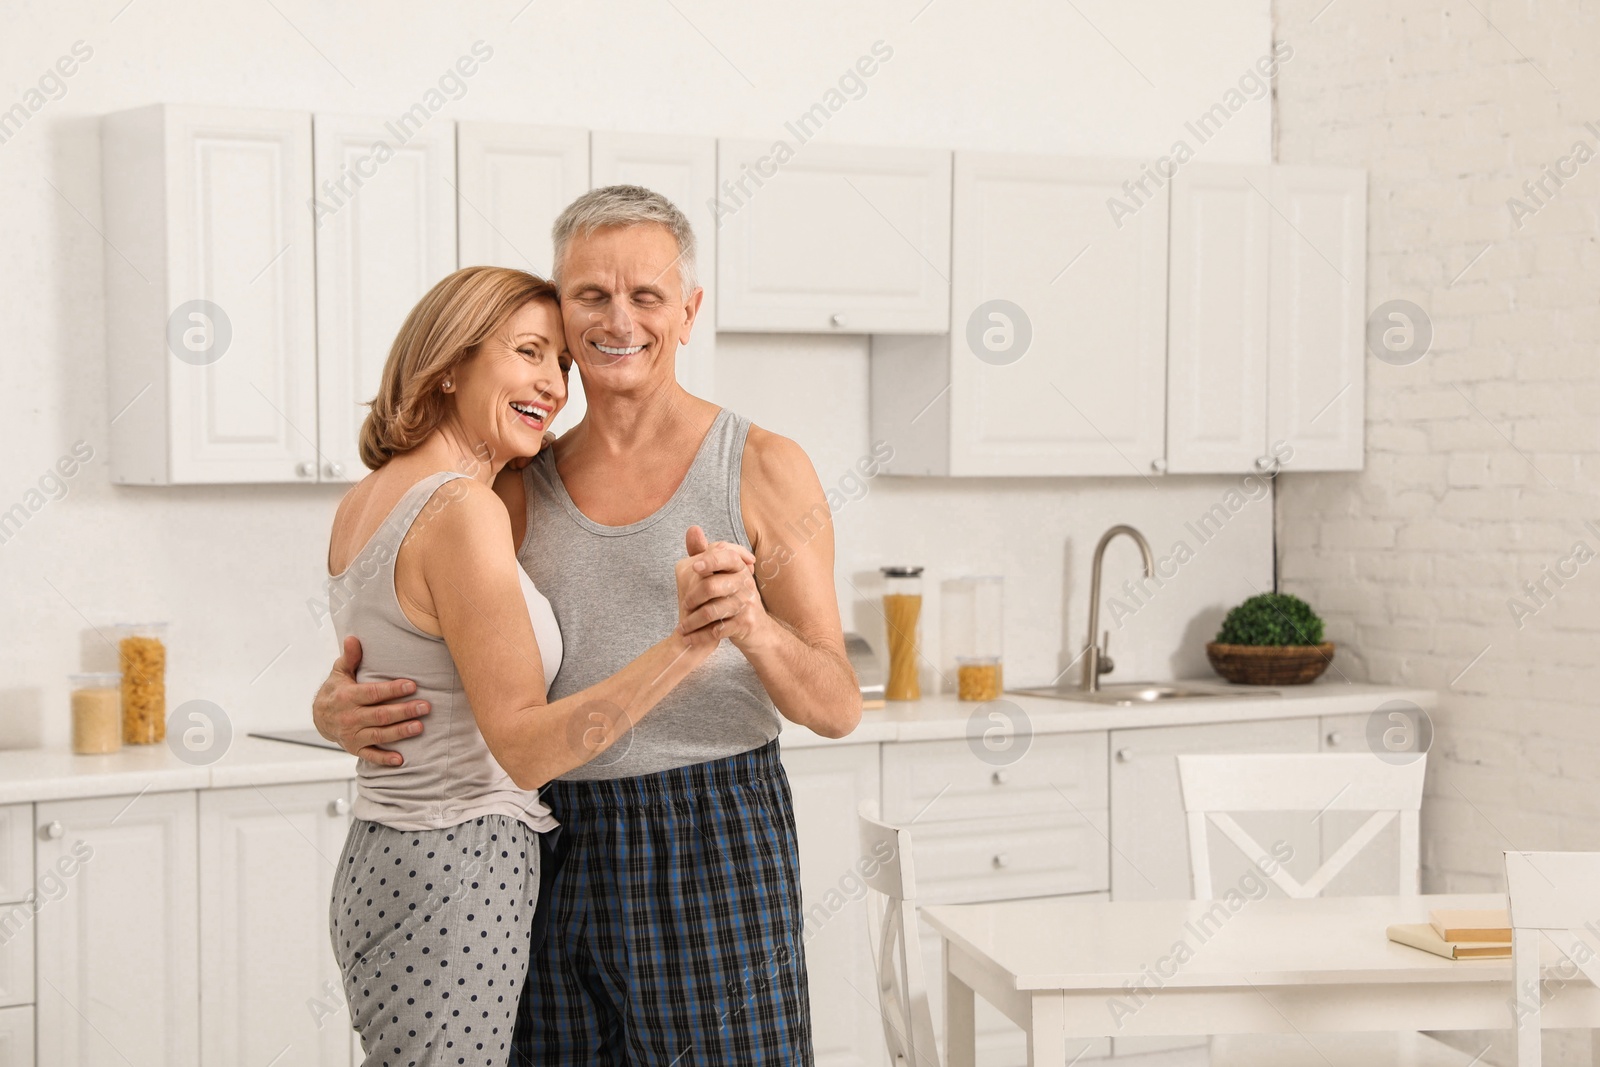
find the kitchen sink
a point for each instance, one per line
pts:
(1130, 693)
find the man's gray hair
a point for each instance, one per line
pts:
(625, 205)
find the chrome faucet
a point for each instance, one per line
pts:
(1095, 660)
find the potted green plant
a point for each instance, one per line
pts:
(1271, 639)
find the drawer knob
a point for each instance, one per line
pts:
(306, 470)
(837, 319)
(1124, 755)
(999, 778)
(333, 470)
(1000, 860)
(1335, 739)
(339, 807)
(53, 830)
(1158, 465)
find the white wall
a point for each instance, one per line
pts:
(234, 567)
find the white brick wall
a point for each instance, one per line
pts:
(1413, 560)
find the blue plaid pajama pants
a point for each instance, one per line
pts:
(674, 935)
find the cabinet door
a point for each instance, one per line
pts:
(513, 181)
(117, 954)
(1149, 831)
(1375, 872)
(1316, 378)
(829, 785)
(16, 1037)
(1087, 393)
(684, 170)
(832, 238)
(239, 237)
(270, 986)
(386, 233)
(1217, 352)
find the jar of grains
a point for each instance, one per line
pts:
(96, 712)
(142, 653)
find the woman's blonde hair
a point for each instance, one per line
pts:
(442, 332)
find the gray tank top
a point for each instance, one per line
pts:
(449, 776)
(615, 593)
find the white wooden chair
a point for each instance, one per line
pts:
(896, 949)
(1216, 787)
(1556, 895)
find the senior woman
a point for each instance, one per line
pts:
(435, 890)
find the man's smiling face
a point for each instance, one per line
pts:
(624, 308)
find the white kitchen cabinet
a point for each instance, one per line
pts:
(118, 953)
(828, 785)
(1055, 360)
(16, 1037)
(832, 238)
(385, 234)
(684, 170)
(270, 986)
(513, 181)
(1267, 337)
(210, 298)
(1218, 315)
(1316, 379)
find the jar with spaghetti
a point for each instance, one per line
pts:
(902, 612)
(96, 712)
(142, 654)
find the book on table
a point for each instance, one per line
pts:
(1471, 924)
(1425, 937)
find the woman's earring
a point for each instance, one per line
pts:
(448, 386)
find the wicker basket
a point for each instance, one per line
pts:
(1270, 664)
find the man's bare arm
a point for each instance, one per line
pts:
(361, 717)
(783, 614)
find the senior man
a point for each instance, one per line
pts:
(674, 927)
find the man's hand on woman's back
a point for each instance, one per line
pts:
(363, 716)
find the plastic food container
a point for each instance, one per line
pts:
(142, 653)
(971, 639)
(96, 712)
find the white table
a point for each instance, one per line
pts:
(1059, 968)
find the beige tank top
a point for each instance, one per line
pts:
(449, 776)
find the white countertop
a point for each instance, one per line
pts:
(944, 717)
(28, 775)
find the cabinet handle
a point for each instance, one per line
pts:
(1124, 755)
(1265, 464)
(999, 778)
(1000, 860)
(1335, 739)
(333, 470)
(339, 807)
(306, 470)
(53, 830)
(836, 319)
(1158, 465)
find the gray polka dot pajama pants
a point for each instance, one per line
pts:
(431, 928)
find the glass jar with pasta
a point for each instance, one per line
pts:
(142, 656)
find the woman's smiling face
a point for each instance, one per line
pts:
(508, 392)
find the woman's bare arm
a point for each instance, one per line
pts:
(469, 565)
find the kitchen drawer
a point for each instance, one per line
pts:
(1006, 859)
(937, 781)
(16, 1037)
(16, 851)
